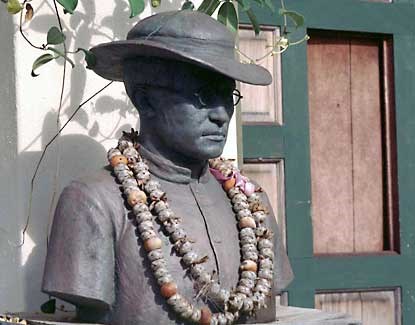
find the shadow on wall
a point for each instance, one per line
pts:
(78, 155)
(75, 154)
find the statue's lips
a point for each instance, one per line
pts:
(214, 136)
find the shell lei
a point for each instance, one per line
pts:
(148, 203)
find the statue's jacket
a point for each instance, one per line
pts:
(96, 262)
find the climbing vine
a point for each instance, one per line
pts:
(226, 14)
(54, 45)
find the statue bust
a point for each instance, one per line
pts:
(179, 70)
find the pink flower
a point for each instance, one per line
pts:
(241, 181)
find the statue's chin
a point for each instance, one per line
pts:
(209, 151)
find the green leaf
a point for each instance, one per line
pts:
(208, 6)
(49, 307)
(61, 54)
(254, 21)
(188, 5)
(296, 17)
(245, 4)
(41, 60)
(68, 5)
(155, 3)
(136, 7)
(14, 7)
(90, 58)
(270, 5)
(55, 36)
(227, 16)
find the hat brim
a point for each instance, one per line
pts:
(110, 57)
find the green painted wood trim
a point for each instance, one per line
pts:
(346, 15)
(357, 272)
(297, 158)
(408, 306)
(405, 125)
(260, 141)
(301, 297)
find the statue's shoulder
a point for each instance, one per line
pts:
(100, 180)
(98, 189)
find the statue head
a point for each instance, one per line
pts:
(186, 112)
(179, 69)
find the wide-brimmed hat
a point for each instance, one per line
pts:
(187, 36)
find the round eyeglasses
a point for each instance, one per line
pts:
(206, 96)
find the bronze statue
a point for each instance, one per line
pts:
(204, 254)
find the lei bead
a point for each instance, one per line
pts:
(262, 289)
(189, 258)
(144, 216)
(135, 197)
(156, 195)
(243, 213)
(249, 265)
(240, 197)
(264, 243)
(165, 215)
(247, 222)
(161, 272)
(250, 256)
(247, 240)
(196, 315)
(140, 208)
(168, 289)
(178, 235)
(249, 275)
(156, 254)
(185, 247)
(164, 279)
(266, 263)
(158, 264)
(267, 253)
(118, 159)
(196, 271)
(259, 216)
(152, 244)
(160, 206)
(233, 191)
(151, 186)
(228, 184)
(240, 205)
(147, 234)
(247, 283)
(248, 305)
(247, 232)
(265, 274)
(171, 226)
(113, 152)
(206, 316)
(124, 144)
(145, 226)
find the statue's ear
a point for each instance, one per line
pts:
(143, 104)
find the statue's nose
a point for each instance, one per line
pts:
(219, 114)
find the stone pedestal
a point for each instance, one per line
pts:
(286, 316)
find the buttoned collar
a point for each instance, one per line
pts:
(167, 170)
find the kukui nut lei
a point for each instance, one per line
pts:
(148, 202)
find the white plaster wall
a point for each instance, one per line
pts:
(28, 113)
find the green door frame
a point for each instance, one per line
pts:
(290, 142)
